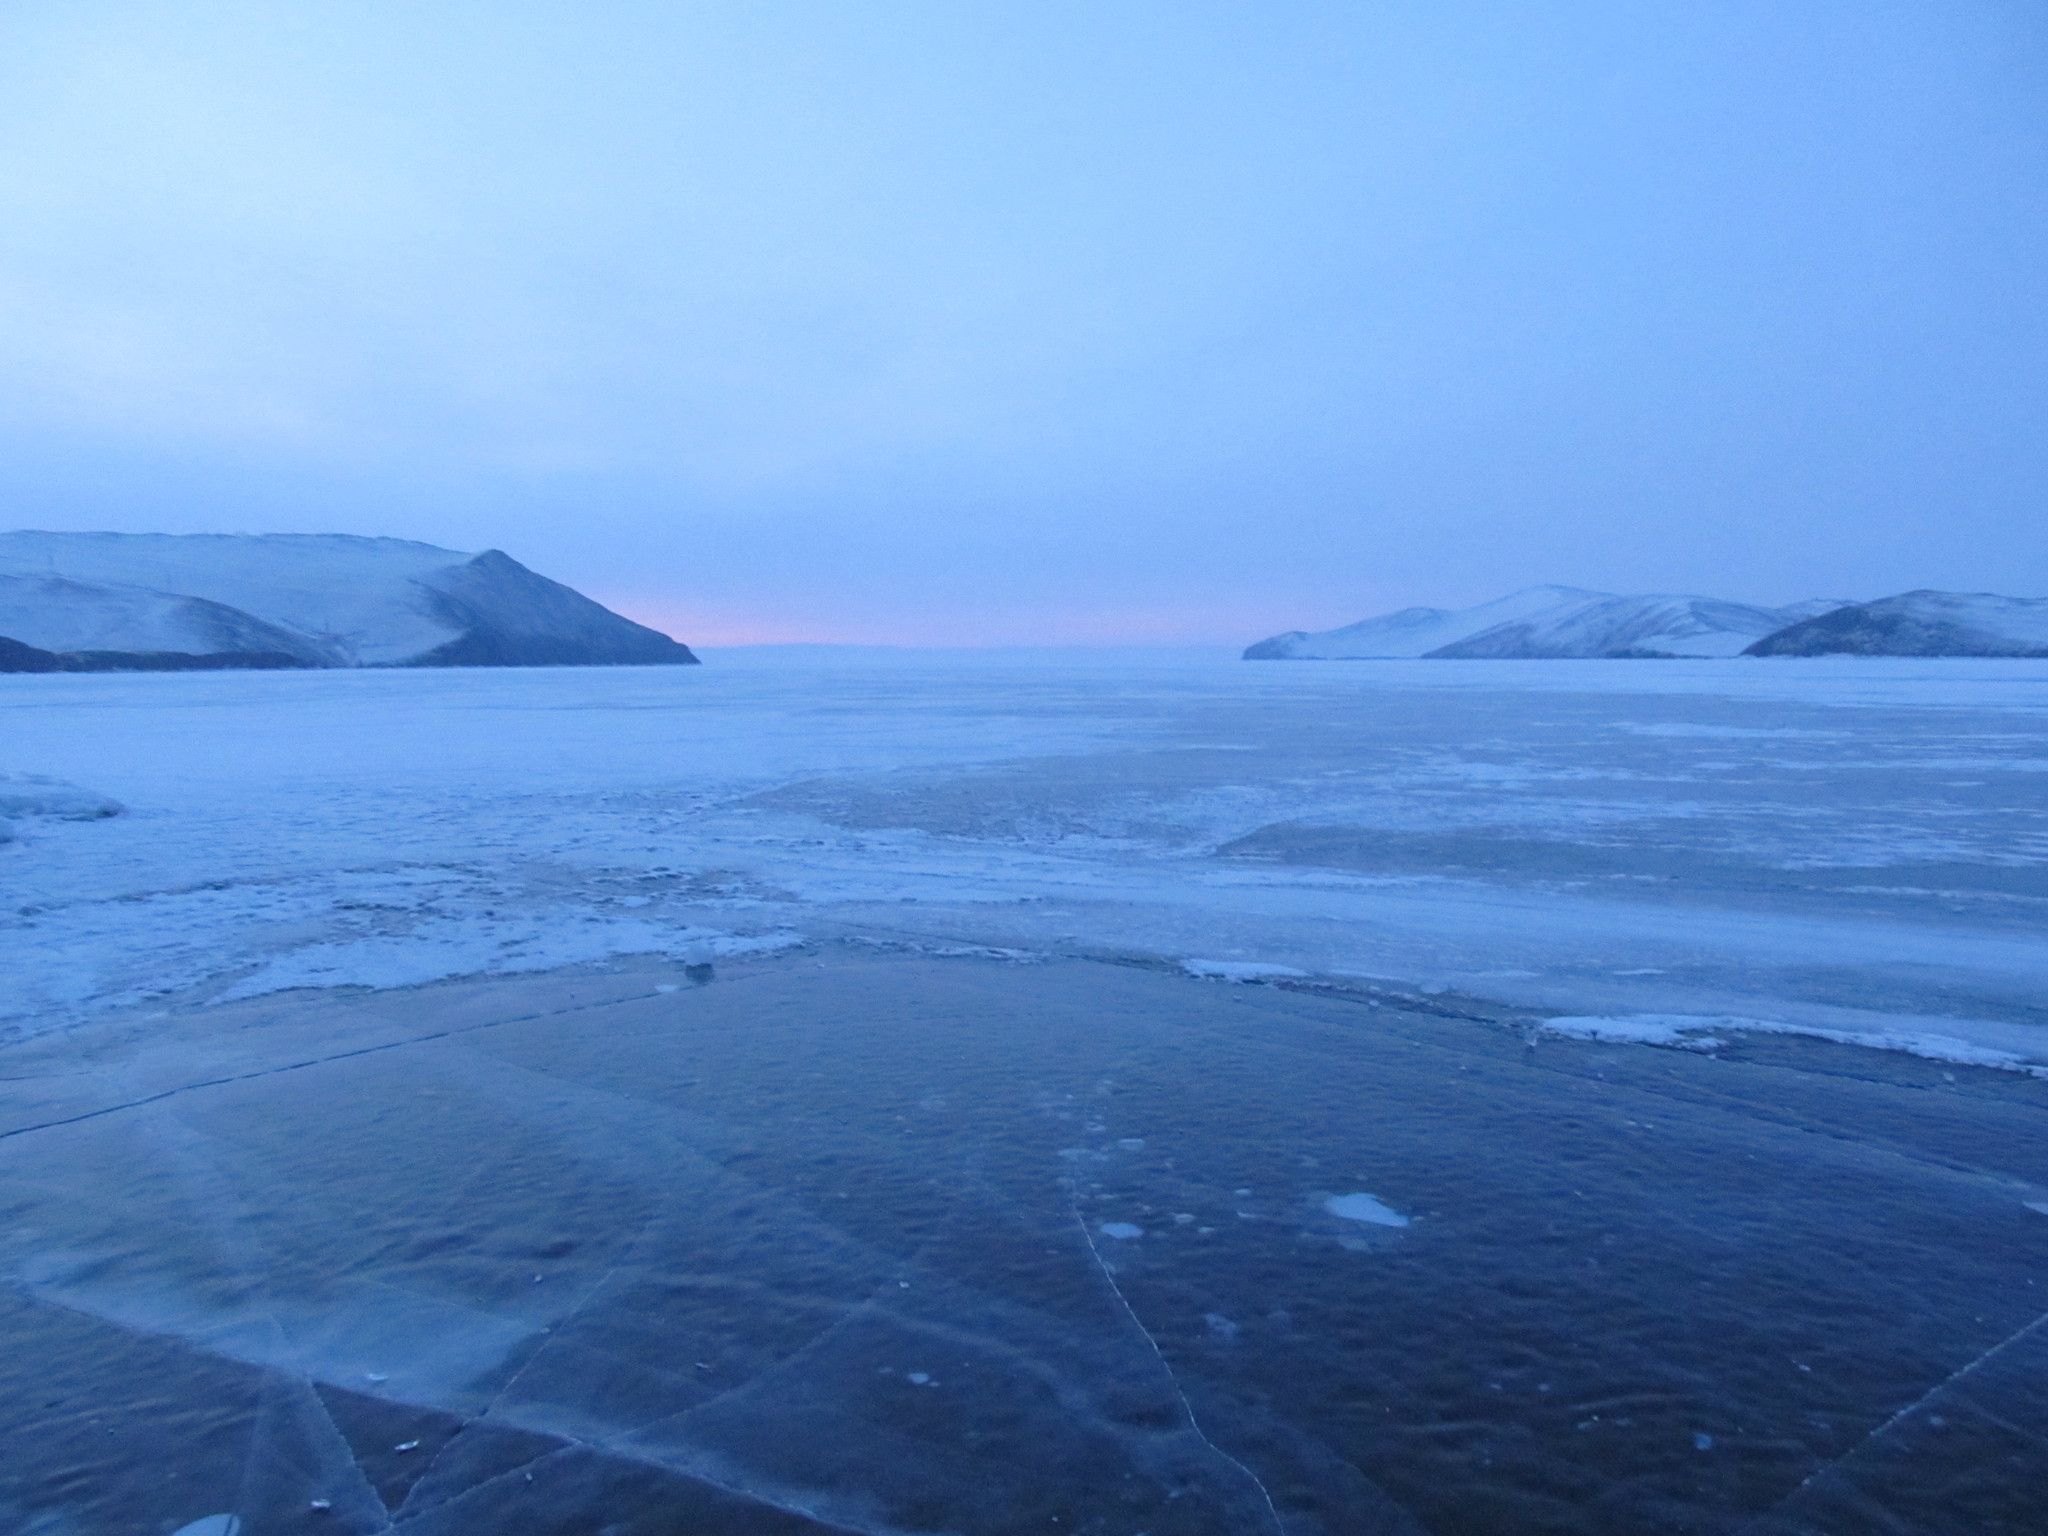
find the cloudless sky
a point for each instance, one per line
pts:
(959, 321)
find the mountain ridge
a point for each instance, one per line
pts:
(1919, 623)
(322, 600)
(1547, 622)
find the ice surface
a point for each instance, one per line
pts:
(608, 1235)
(799, 1252)
(1852, 848)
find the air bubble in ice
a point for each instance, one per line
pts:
(1121, 1229)
(211, 1525)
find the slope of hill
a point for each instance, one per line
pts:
(1548, 622)
(1923, 623)
(1625, 626)
(319, 599)
(57, 613)
(1412, 631)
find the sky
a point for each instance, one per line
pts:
(1043, 321)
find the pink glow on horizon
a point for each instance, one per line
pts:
(714, 625)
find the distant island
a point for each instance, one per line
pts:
(106, 602)
(1554, 622)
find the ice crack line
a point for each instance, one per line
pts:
(297, 1066)
(1188, 1408)
(1911, 1408)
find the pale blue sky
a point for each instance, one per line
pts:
(997, 321)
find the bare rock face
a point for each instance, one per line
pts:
(100, 601)
(1924, 623)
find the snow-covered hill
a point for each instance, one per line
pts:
(1921, 623)
(1548, 621)
(1413, 631)
(321, 599)
(56, 613)
(1626, 626)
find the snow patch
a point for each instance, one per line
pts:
(1363, 1207)
(1695, 1031)
(1238, 970)
(32, 794)
(469, 946)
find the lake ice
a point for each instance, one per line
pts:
(626, 1083)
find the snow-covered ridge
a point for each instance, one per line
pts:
(322, 600)
(1549, 621)
(1923, 623)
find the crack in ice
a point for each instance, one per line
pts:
(314, 1061)
(1187, 1407)
(1904, 1413)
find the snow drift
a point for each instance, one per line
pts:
(35, 794)
(1920, 623)
(86, 601)
(1548, 621)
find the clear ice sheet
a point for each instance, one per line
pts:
(820, 1247)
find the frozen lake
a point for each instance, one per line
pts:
(1858, 846)
(814, 1092)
